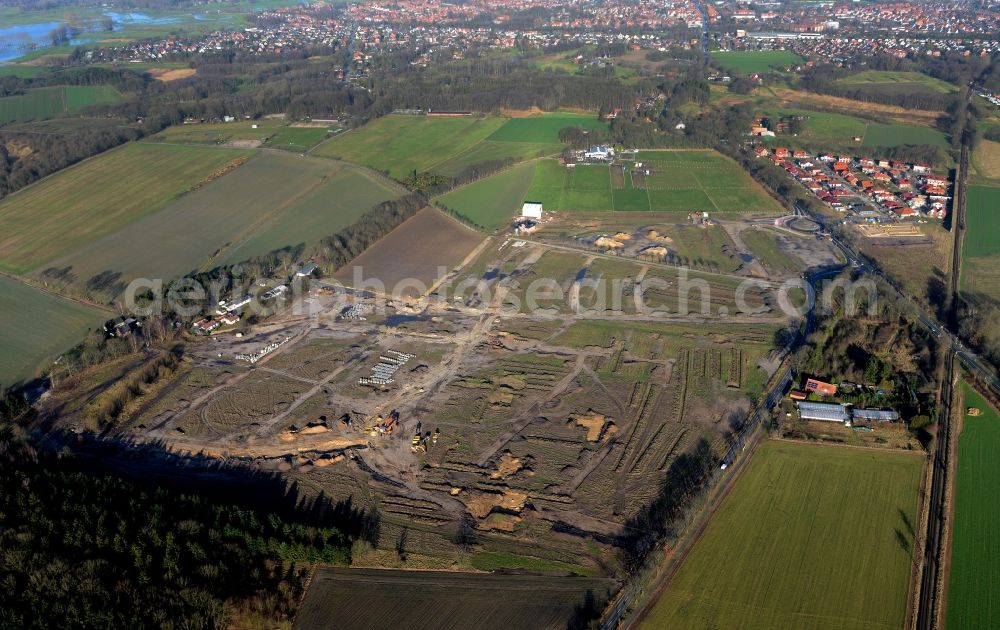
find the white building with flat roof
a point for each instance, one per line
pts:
(599, 153)
(531, 210)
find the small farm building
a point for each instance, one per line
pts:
(306, 271)
(821, 388)
(875, 414)
(828, 412)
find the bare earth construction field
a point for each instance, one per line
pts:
(539, 434)
(416, 250)
(358, 599)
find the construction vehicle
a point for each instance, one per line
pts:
(391, 422)
(384, 426)
(418, 445)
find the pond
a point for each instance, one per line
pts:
(15, 41)
(141, 18)
(18, 40)
(396, 320)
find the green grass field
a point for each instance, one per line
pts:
(973, 600)
(811, 537)
(825, 125)
(54, 102)
(97, 197)
(981, 247)
(678, 181)
(983, 217)
(545, 128)
(896, 134)
(764, 245)
(491, 203)
(400, 144)
(751, 61)
(446, 146)
(488, 150)
(22, 71)
(307, 214)
(884, 80)
(35, 327)
(273, 201)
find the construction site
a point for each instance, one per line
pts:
(538, 434)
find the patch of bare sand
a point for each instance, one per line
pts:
(653, 235)
(499, 522)
(244, 144)
(596, 424)
(480, 504)
(172, 74)
(507, 466)
(500, 397)
(19, 149)
(521, 113)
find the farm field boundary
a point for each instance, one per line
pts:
(971, 600)
(101, 195)
(756, 61)
(36, 326)
(273, 202)
(656, 181)
(808, 497)
(372, 598)
(416, 250)
(400, 144)
(54, 102)
(492, 202)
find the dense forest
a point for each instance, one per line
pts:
(82, 549)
